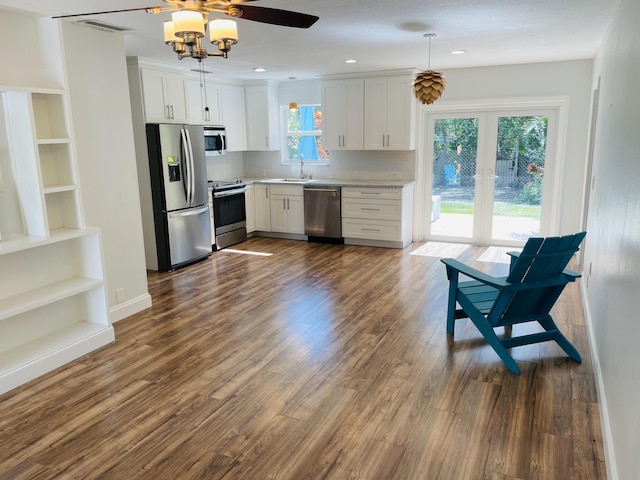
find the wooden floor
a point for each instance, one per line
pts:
(317, 362)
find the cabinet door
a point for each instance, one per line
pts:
(263, 208)
(375, 113)
(176, 85)
(250, 207)
(400, 114)
(204, 103)
(388, 111)
(233, 117)
(153, 92)
(262, 117)
(295, 215)
(279, 213)
(343, 114)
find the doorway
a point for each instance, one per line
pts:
(487, 174)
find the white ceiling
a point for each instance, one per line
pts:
(381, 35)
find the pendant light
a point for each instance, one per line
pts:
(428, 85)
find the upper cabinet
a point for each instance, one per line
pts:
(204, 103)
(165, 96)
(233, 117)
(375, 113)
(389, 109)
(343, 114)
(262, 117)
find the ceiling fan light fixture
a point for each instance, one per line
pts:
(170, 34)
(188, 23)
(223, 29)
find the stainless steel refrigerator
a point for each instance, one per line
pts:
(177, 167)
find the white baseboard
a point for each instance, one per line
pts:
(605, 424)
(128, 308)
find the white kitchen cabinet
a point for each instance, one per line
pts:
(262, 117)
(343, 114)
(389, 110)
(53, 305)
(262, 207)
(380, 217)
(233, 117)
(164, 96)
(287, 208)
(250, 207)
(204, 103)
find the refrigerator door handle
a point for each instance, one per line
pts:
(192, 168)
(189, 213)
(187, 164)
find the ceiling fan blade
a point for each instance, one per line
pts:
(101, 13)
(274, 16)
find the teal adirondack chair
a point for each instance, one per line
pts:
(537, 276)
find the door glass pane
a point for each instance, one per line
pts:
(519, 176)
(455, 152)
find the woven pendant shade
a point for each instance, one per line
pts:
(428, 86)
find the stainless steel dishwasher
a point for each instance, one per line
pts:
(322, 218)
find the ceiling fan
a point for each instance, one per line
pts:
(232, 8)
(189, 22)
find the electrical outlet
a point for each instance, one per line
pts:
(120, 298)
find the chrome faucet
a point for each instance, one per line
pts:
(302, 175)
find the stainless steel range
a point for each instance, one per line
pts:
(229, 212)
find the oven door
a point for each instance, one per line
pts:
(229, 211)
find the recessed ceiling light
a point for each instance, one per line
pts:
(351, 60)
(259, 69)
(458, 52)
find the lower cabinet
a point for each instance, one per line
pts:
(262, 207)
(250, 207)
(287, 209)
(379, 217)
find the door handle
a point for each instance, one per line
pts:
(189, 212)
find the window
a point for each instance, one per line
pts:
(303, 131)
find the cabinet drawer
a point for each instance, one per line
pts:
(371, 193)
(372, 209)
(371, 230)
(290, 190)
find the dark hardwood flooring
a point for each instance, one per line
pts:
(317, 362)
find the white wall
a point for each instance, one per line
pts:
(101, 113)
(613, 241)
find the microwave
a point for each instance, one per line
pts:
(215, 141)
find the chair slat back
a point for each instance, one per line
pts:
(544, 258)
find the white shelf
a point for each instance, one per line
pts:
(42, 296)
(26, 242)
(58, 188)
(53, 306)
(32, 359)
(53, 141)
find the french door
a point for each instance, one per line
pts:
(487, 175)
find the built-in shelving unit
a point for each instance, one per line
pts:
(53, 306)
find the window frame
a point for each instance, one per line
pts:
(286, 133)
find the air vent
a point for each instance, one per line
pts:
(103, 26)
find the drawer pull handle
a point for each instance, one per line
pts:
(371, 229)
(372, 209)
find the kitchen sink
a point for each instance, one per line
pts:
(293, 180)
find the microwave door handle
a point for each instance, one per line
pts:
(223, 142)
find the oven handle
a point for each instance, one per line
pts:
(228, 193)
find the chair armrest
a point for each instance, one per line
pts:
(460, 267)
